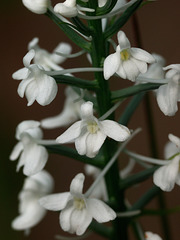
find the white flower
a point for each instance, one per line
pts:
(68, 8)
(37, 6)
(32, 156)
(89, 134)
(166, 176)
(77, 210)
(127, 62)
(69, 114)
(152, 236)
(169, 94)
(31, 212)
(49, 61)
(35, 84)
(155, 70)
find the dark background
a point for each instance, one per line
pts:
(159, 26)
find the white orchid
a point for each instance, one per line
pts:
(77, 211)
(32, 156)
(69, 114)
(35, 84)
(128, 62)
(89, 133)
(49, 61)
(31, 212)
(70, 8)
(152, 236)
(37, 6)
(168, 95)
(166, 176)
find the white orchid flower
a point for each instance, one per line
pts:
(128, 62)
(37, 6)
(49, 61)
(169, 94)
(69, 114)
(31, 212)
(152, 236)
(31, 155)
(70, 8)
(89, 134)
(77, 211)
(35, 84)
(166, 176)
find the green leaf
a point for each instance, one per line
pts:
(122, 20)
(72, 153)
(130, 91)
(70, 32)
(77, 82)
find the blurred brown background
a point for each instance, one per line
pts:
(159, 25)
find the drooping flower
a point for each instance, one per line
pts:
(168, 95)
(31, 155)
(37, 6)
(69, 114)
(152, 236)
(128, 62)
(89, 133)
(70, 8)
(49, 61)
(77, 211)
(35, 84)
(31, 212)
(166, 176)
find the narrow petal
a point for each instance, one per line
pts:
(31, 92)
(111, 64)
(28, 57)
(35, 157)
(131, 70)
(100, 211)
(23, 85)
(31, 217)
(65, 215)
(142, 66)
(80, 220)
(123, 40)
(115, 130)
(87, 111)
(64, 48)
(165, 177)
(120, 71)
(175, 140)
(70, 134)
(142, 55)
(80, 143)
(77, 184)
(22, 73)
(55, 202)
(16, 151)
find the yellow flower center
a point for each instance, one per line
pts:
(125, 55)
(79, 203)
(92, 127)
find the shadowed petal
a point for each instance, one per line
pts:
(111, 64)
(142, 55)
(77, 184)
(16, 151)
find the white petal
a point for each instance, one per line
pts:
(123, 40)
(28, 57)
(80, 220)
(131, 69)
(16, 151)
(165, 177)
(55, 202)
(142, 55)
(66, 11)
(64, 48)
(33, 43)
(70, 134)
(37, 6)
(77, 184)
(120, 71)
(22, 73)
(167, 96)
(47, 90)
(115, 130)
(31, 92)
(175, 140)
(142, 66)
(111, 64)
(65, 215)
(35, 159)
(178, 179)
(170, 149)
(100, 211)
(31, 217)
(23, 85)
(29, 126)
(80, 143)
(87, 111)
(152, 236)
(94, 143)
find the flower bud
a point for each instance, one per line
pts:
(37, 6)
